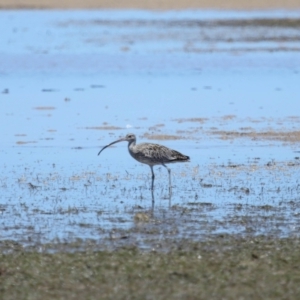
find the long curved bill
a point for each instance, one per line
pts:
(120, 140)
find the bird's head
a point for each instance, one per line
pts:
(130, 138)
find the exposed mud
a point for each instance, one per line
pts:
(221, 267)
(284, 136)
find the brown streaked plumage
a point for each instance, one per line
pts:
(151, 154)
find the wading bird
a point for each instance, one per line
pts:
(151, 154)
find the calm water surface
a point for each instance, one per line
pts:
(73, 81)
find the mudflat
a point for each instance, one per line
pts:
(151, 5)
(220, 87)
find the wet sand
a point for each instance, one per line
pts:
(151, 5)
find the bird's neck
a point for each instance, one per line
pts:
(131, 144)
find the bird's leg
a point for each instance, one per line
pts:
(153, 202)
(152, 186)
(170, 185)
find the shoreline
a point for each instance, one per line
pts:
(152, 5)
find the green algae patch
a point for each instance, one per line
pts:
(225, 267)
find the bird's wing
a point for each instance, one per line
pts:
(160, 153)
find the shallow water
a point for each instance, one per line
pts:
(74, 81)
